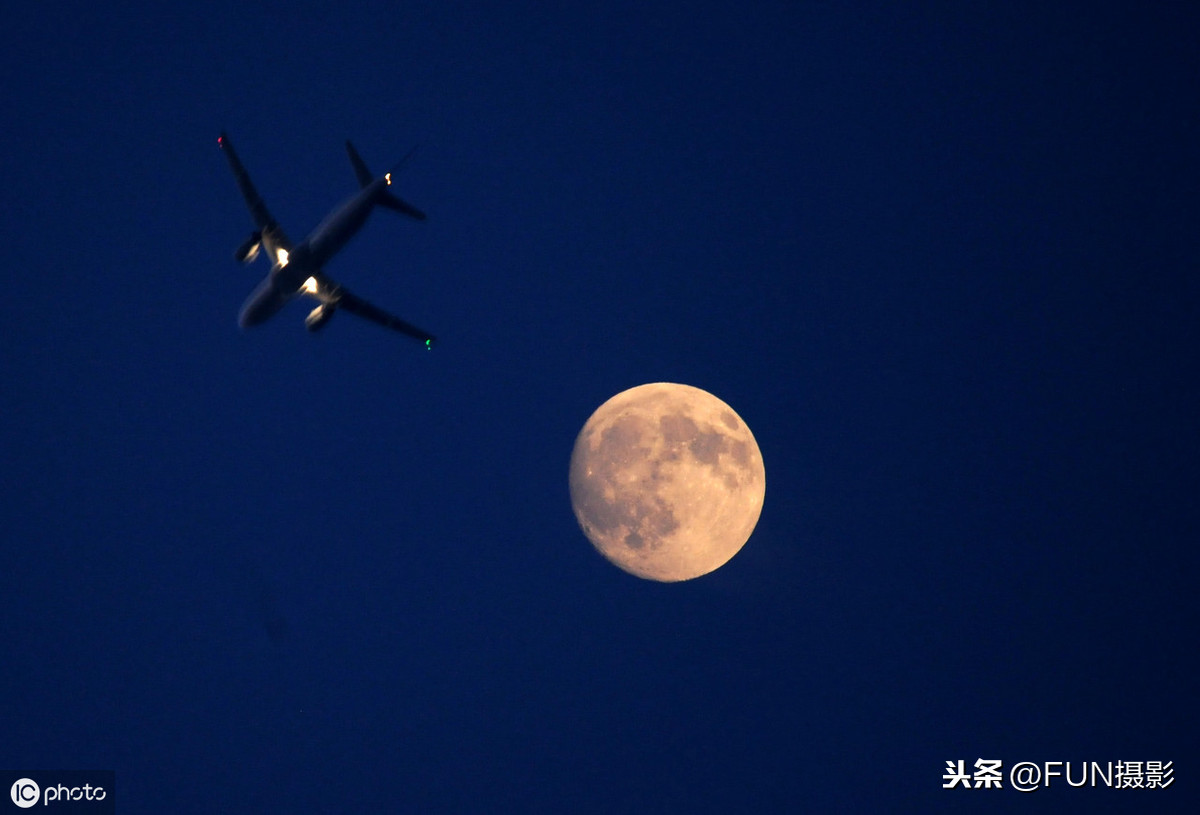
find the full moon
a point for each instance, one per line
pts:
(667, 481)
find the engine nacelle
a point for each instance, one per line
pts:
(248, 251)
(320, 315)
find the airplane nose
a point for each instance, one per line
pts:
(261, 305)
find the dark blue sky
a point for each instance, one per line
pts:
(941, 259)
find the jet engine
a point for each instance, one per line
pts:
(320, 315)
(248, 251)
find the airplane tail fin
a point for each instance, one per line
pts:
(388, 200)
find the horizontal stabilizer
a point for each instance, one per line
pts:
(403, 207)
(360, 168)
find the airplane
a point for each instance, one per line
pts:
(296, 270)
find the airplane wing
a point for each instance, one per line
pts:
(254, 202)
(356, 305)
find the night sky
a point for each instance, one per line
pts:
(941, 258)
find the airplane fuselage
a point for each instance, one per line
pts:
(292, 272)
(343, 223)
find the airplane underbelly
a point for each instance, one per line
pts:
(263, 303)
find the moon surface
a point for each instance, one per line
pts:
(667, 481)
